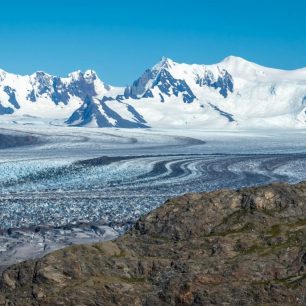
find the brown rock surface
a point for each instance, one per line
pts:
(244, 247)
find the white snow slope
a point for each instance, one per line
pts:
(233, 93)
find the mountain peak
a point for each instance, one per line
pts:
(90, 72)
(75, 74)
(40, 73)
(165, 59)
(232, 59)
(165, 62)
(239, 67)
(90, 75)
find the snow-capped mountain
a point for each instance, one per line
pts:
(41, 94)
(232, 93)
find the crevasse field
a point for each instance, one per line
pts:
(61, 185)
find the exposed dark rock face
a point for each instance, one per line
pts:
(242, 247)
(164, 81)
(12, 96)
(228, 116)
(6, 110)
(224, 83)
(97, 111)
(81, 86)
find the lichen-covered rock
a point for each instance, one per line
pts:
(244, 247)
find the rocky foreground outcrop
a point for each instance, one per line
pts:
(244, 247)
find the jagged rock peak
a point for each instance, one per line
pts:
(90, 74)
(165, 63)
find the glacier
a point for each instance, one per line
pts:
(61, 185)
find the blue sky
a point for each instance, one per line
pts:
(119, 39)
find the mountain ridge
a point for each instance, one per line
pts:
(169, 95)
